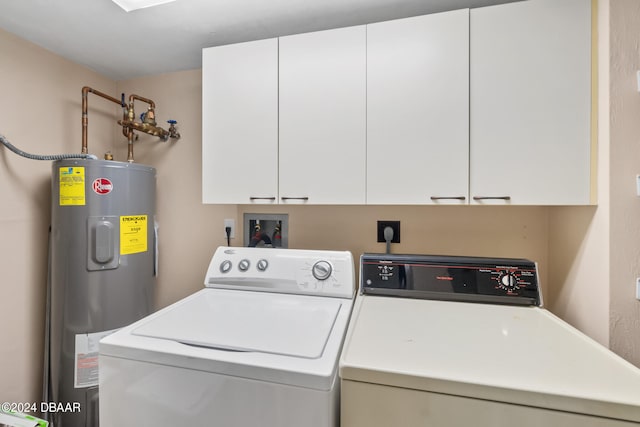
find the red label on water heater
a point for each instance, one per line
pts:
(102, 186)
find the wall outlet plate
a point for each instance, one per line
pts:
(396, 231)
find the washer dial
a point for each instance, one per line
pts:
(322, 270)
(262, 265)
(244, 264)
(225, 266)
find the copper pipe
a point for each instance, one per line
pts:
(140, 98)
(128, 121)
(125, 130)
(130, 146)
(146, 128)
(131, 116)
(85, 118)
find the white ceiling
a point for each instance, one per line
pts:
(170, 37)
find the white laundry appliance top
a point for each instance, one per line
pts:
(276, 315)
(519, 354)
(288, 325)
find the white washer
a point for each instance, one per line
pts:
(419, 350)
(258, 346)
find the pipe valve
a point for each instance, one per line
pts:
(173, 132)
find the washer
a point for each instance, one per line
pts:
(458, 341)
(258, 346)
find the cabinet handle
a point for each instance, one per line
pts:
(262, 198)
(491, 197)
(448, 198)
(295, 198)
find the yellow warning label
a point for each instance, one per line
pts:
(133, 234)
(72, 186)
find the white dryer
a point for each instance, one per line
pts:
(458, 341)
(259, 346)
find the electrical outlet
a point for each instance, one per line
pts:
(395, 225)
(638, 288)
(230, 223)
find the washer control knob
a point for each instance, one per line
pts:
(225, 266)
(262, 264)
(321, 270)
(244, 265)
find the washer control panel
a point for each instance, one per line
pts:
(326, 273)
(470, 279)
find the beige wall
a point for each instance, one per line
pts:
(451, 230)
(578, 268)
(189, 231)
(43, 115)
(624, 323)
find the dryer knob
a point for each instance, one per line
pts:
(225, 266)
(244, 265)
(321, 270)
(262, 265)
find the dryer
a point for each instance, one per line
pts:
(259, 345)
(459, 341)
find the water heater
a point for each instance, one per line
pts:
(102, 272)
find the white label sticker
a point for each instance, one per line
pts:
(86, 358)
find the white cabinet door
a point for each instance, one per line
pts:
(418, 110)
(531, 103)
(240, 123)
(322, 117)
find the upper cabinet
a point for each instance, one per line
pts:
(531, 103)
(284, 120)
(418, 110)
(323, 117)
(483, 106)
(240, 123)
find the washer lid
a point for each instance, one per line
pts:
(248, 322)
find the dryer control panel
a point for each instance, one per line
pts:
(467, 279)
(326, 273)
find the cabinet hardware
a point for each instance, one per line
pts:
(491, 197)
(262, 198)
(448, 198)
(295, 198)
